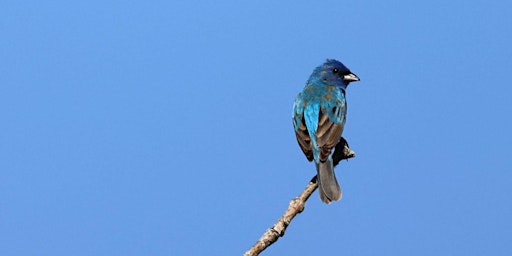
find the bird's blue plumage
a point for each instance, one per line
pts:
(319, 116)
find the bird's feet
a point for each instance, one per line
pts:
(342, 151)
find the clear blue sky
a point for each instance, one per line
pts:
(164, 128)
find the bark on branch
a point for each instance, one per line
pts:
(297, 205)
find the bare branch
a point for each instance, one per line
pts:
(271, 235)
(296, 205)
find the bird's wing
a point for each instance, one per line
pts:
(301, 130)
(331, 122)
(302, 135)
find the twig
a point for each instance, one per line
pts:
(296, 206)
(271, 235)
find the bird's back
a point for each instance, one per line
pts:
(319, 113)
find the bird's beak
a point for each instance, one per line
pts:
(351, 77)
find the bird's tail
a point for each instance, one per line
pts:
(328, 186)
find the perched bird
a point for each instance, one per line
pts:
(319, 115)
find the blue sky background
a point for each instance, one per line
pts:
(164, 127)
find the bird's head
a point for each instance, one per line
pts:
(333, 72)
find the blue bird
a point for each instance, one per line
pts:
(319, 115)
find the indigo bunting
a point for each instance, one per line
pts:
(319, 115)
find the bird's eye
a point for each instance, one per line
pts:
(335, 70)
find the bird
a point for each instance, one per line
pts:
(319, 115)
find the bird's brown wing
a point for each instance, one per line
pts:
(327, 134)
(304, 140)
